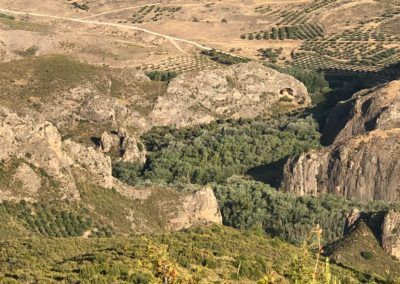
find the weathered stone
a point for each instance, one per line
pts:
(198, 208)
(243, 90)
(91, 160)
(106, 142)
(364, 161)
(391, 234)
(377, 108)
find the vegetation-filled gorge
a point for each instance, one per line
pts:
(191, 142)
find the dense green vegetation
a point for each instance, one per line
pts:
(198, 255)
(164, 76)
(250, 204)
(215, 152)
(224, 58)
(315, 81)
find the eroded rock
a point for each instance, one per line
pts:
(243, 90)
(199, 208)
(385, 225)
(364, 161)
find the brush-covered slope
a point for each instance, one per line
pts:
(199, 255)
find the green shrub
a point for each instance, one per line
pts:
(165, 76)
(367, 255)
(224, 58)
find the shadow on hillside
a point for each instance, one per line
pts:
(271, 173)
(343, 85)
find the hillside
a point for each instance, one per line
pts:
(362, 162)
(199, 255)
(184, 141)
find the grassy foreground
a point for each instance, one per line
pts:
(200, 255)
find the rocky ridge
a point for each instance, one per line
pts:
(244, 90)
(363, 162)
(384, 225)
(33, 154)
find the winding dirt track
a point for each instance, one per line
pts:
(119, 10)
(172, 39)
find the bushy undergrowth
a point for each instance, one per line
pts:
(249, 204)
(224, 58)
(198, 255)
(164, 76)
(217, 151)
(48, 221)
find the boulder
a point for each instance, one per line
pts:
(198, 208)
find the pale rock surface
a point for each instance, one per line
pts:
(363, 163)
(244, 90)
(391, 234)
(385, 225)
(127, 146)
(199, 208)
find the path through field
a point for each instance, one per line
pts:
(172, 39)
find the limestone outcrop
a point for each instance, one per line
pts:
(385, 225)
(363, 163)
(37, 165)
(125, 147)
(199, 208)
(244, 90)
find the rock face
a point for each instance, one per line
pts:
(33, 155)
(391, 234)
(384, 225)
(199, 208)
(244, 90)
(368, 110)
(38, 145)
(363, 161)
(126, 147)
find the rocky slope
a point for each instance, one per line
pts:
(38, 166)
(244, 90)
(363, 161)
(384, 225)
(361, 250)
(82, 99)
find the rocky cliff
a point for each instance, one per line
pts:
(384, 225)
(36, 165)
(363, 162)
(244, 90)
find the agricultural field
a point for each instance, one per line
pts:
(359, 36)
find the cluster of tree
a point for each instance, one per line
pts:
(270, 53)
(82, 6)
(305, 31)
(249, 204)
(165, 76)
(224, 58)
(217, 151)
(314, 80)
(5, 16)
(48, 221)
